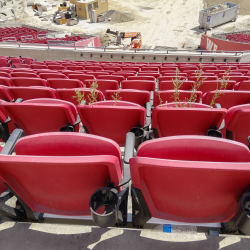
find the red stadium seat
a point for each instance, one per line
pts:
(42, 115)
(64, 83)
(129, 95)
(139, 85)
(194, 172)
(28, 82)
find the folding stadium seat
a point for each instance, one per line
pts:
(36, 63)
(27, 60)
(243, 71)
(216, 72)
(4, 74)
(156, 75)
(103, 84)
(52, 75)
(130, 68)
(141, 63)
(147, 68)
(117, 78)
(43, 115)
(114, 68)
(244, 85)
(97, 73)
(210, 78)
(93, 68)
(236, 123)
(6, 69)
(23, 70)
(228, 99)
(142, 78)
(56, 67)
(230, 74)
(138, 85)
(5, 81)
(38, 66)
(74, 166)
(75, 68)
(28, 82)
(64, 83)
(20, 66)
(3, 62)
(5, 94)
(194, 172)
(208, 67)
(185, 68)
(168, 85)
(171, 74)
(124, 73)
(39, 71)
(70, 95)
(239, 78)
(169, 78)
(27, 93)
(161, 97)
(227, 67)
(116, 121)
(202, 74)
(156, 64)
(130, 95)
(174, 68)
(212, 85)
(80, 77)
(168, 120)
(24, 74)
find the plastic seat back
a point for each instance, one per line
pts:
(161, 97)
(5, 82)
(27, 93)
(208, 85)
(80, 77)
(138, 85)
(237, 120)
(41, 115)
(64, 83)
(129, 95)
(71, 163)
(109, 121)
(5, 94)
(28, 82)
(23, 74)
(195, 168)
(103, 84)
(228, 99)
(169, 121)
(168, 85)
(70, 95)
(142, 78)
(52, 75)
(117, 78)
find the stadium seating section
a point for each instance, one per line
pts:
(28, 35)
(192, 163)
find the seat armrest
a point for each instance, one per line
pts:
(218, 106)
(11, 142)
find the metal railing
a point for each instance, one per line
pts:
(52, 44)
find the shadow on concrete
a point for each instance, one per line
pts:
(22, 238)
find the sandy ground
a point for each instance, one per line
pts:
(162, 23)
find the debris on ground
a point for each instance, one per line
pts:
(119, 17)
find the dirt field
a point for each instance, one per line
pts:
(162, 23)
(244, 5)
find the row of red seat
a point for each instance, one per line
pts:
(244, 38)
(112, 83)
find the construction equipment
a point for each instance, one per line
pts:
(136, 38)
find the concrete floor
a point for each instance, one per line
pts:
(25, 236)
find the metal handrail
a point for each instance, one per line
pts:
(129, 49)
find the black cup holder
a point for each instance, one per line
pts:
(214, 133)
(139, 135)
(242, 215)
(104, 207)
(67, 128)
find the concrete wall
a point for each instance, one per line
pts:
(100, 55)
